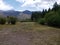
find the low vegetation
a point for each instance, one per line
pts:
(2, 20)
(41, 21)
(12, 20)
(9, 20)
(52, 19)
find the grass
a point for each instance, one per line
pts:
(29, 33)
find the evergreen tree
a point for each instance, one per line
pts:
(55, 7)
(44, 12)
(35, 16)
(49, 10)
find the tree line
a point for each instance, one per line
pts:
(49, 17)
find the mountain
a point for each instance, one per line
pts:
(23, 16)
(20, 15)
(27, 12)
(9, 13)
(14, 13)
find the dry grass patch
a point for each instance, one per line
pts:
(29, 33)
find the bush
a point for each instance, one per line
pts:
(11, 20)
(41, 21)
(53, 19)
(2, 20)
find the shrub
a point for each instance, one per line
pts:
(8, 20)
(53, 19)
(41, 21)
(11, 20)
(2, 20)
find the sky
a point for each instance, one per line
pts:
(31, 5)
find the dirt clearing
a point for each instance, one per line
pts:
(29, 33)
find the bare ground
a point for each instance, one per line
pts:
(29, 33)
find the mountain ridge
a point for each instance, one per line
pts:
(14, 13)
(19, 15)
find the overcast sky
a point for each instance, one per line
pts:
(32, 5)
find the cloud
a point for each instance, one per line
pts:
(4, 6)
(28, 2)
(38, 4)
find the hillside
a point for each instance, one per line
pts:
(23, 16)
